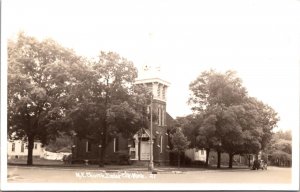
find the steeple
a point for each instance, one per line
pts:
(151, 76)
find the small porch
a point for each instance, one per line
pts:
(139, 149)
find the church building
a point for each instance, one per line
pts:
(137, 147)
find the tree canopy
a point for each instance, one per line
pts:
(280, 149)
(228, 119)
(38, 85)
(179, 143)
(51, 90)
(107, 101)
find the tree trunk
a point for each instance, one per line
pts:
(219, 160)
(30, 149)
(230, 159)
(207, 157)
(178, 159)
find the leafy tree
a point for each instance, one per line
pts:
(109, 102)
(231, 120)
(179, 143)
(214, 94)
(286, 135)
(124, 106)
(280, 150)
(207, 136)
(188, 125)
(38, 86)
(212, 88)
(200, 131)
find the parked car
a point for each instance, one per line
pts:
(259, 164)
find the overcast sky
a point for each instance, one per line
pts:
(258, 39)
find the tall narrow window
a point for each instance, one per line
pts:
(159, 122)
(13, 147)
(161, 144)
(88, 147)
(22, 148)
(35, 146)
(162, 117)
(116, 144)
(159, 116)
(164, 93)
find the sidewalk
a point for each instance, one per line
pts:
(129, 168)
(107, 168)
(112, 168)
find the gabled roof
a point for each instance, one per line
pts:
(170, 120)
(144, 133)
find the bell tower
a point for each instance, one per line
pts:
(151, 77)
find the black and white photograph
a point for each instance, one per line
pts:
(150, 95)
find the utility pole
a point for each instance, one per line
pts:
(151, 165)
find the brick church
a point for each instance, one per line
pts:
(137, 147)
